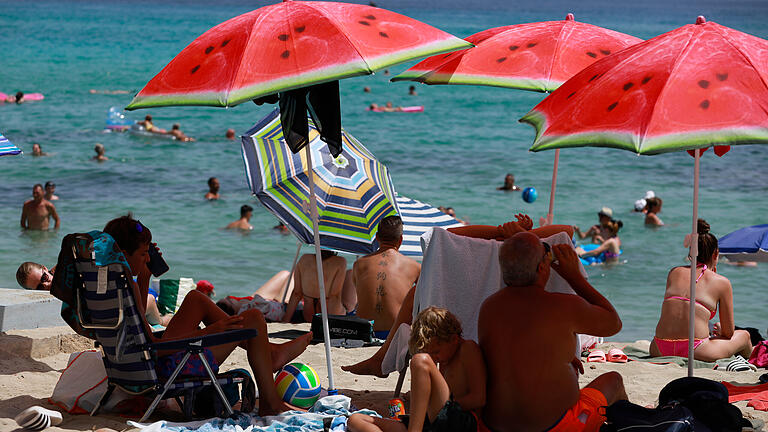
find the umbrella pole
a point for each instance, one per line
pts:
(320, 279)
(551, 213)
(693, 252)
(293, 269)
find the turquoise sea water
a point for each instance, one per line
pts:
(454, 154)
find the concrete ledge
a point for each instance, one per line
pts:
(27, 309)
(42, 342)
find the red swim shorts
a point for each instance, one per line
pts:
(586, 415)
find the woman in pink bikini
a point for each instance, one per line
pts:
(712, 290)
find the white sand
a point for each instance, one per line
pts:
(29, 374)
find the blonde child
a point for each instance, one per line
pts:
(447, 379)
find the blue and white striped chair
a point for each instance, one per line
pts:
(105, 306)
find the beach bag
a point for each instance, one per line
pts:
(708, 402)
(625, 416)
(82, 383)
(759, 356)
(343, 327)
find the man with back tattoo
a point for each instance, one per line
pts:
(382, 279)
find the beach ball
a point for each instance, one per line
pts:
(530, 194)
(298, 385)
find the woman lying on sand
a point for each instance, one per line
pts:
(712, 290)
(264, 358)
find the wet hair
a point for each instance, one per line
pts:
(128, 233)
(210, 180)
(707, 242)
(245, 208)
(38, 185)
(175, 126)
(98, 148)
(25, 269)
(19, 96)
(653, 203)
(433, 324)
(390, 229)
(519, 267)
(615, 225)
(49, 183)
(148, 117)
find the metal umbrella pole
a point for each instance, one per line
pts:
(551, 212)
(693, 252)
(320, 280)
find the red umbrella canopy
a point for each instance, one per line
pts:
(536, 56)
(286, 46)
(699, 85)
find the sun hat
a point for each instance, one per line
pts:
(640, 204)
(205, 286)
(649, 195)
(605, 211)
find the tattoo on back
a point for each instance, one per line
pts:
(379, 307)
(380, 291)
(381, 276)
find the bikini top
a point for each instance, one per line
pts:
(712, 312)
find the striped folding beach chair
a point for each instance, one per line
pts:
(105, 306)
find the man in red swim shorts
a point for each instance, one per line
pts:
(528, 339)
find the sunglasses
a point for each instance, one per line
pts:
(44, 278)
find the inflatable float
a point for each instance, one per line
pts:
(28, 97)
(117, 121)
(137, 129)
(593, 260)
(407, 109)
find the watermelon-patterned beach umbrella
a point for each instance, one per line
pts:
(290, 45)
(536, 56)
(7, 148)
(697, 86)
(354, 190)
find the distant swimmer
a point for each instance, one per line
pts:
(412, 91)
(366, 89)
(178, 134)
(281, 228)
(37, 211)
(150, 127)
(652, 207)
(509, 184)
(601, 232)
(37, 150)
(243, 223)
(111, 92)
(17, 99)
(99, 149)
(50, 191)
(230, 135)
(452, 213)
(213, 189)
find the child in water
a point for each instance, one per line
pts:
(447, 379)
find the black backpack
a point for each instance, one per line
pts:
(685, 404)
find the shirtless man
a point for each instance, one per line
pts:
(99, 149)
(533, 396)
(600, 232)
(382, 279)
(243, 223)
(305, 285)
(213, 189)
(50, 191)
(178, 134)
(35, 213)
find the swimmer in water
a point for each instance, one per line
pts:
(37, 150)
(150, 127)
(243, 223)
(652, 207)
(213, 189)
(509, 184)
(99, 149)
(178, 134)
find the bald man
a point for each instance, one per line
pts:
(525, 395)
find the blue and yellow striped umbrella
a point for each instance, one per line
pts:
(7, 148)
(354, 190)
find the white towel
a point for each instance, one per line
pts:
(458, 273)
(394, 359)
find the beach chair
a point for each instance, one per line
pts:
(105, 308)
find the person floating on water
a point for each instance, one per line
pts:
(448, 379)
(50, 191)
(18, 99)
(712, 290)
(509, 184)
(99, 149)
(36, 212)
(178, 134)
(243, 223)
(150, 127)
(600, 232)
(213, 189)
(652, 208)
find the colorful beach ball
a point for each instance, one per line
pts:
(298, 385)
(530, 195)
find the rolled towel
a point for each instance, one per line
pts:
(38, 418)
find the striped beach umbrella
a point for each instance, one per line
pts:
(418, 218)
(7, 148)
(354, 190)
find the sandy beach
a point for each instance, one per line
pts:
(29, 373)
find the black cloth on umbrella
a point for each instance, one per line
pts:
(321, 101)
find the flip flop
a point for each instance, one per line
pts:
(38, 418)
(616, 355)
(739, 364)
(596, 356)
